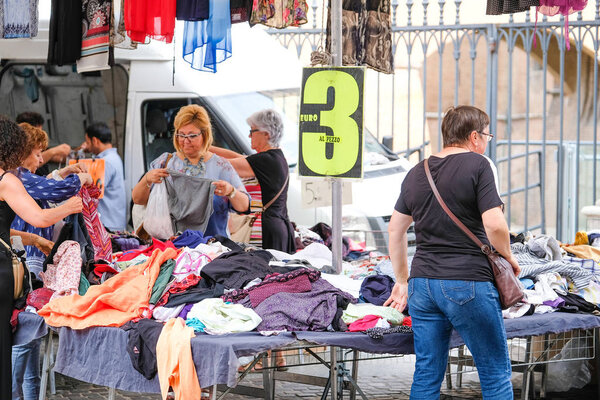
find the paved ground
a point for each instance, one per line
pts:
(379, 379)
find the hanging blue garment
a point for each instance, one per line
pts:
(207, 43)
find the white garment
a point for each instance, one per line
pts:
(317, 254)
(344, 283)
(213, 250)
(189, 262)
(354, 312)
(516, 311)
(220, 318)
(163, 314)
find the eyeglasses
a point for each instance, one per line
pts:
(190, 137)
(254, 130)
(488, 136)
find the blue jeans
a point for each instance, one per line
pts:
(473, 309)
(26, 371)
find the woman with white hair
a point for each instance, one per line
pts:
(270, 168)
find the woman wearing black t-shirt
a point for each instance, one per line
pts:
(270, 168)
(451, 282)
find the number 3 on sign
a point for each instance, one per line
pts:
(331, 126)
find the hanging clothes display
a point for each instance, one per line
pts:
(366, 34)
(564, 7)
(98, 234)
(150, 20)
(96, 53)
(279, 13)
(18, 19)
(240, 10)
(192, 10)
(497, 7)
(64, 33)
(118, 37)
(207, 43)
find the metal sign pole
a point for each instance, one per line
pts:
(336, 184)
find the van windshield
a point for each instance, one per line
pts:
(236, 108)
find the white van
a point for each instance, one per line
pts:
(140, 96)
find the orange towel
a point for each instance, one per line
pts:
(175, 363)
(120, 299)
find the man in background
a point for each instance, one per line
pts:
(113, 206)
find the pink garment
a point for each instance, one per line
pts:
(98, 234)
(299, 284)
(564, 7)
(366, 322)
(63, 276)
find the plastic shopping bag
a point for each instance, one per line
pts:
(157, 221)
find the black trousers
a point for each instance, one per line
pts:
(6, 306)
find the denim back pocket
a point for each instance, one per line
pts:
(459, 292)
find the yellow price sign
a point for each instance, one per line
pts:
(331, 122)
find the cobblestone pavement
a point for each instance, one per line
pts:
(379, 379)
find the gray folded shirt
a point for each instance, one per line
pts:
(190, 201)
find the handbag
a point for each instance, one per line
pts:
(20, 272)
(509, 288)
(240, 225)
(140, 212)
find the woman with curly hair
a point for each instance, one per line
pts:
(66, 184)
(15, 200)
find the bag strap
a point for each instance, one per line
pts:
(484, 247)
(277, 195)
(5, 245)
(167, 160)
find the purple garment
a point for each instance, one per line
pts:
(555, 303)
(307, 311)
(237, 295)
(185, 310)
(298, 284)
(127, 243)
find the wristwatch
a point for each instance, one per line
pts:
(232, 194)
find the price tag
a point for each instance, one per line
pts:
(331, 122)
(317, 192)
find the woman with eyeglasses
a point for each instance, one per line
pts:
(270, 168)
(451, 284)
(192, 140)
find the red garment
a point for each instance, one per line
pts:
(14, 319)
(156, 244)
(178, 287)
(39, 297)
(366, 322)
(150, 19)
(407, 321)
(98, 234)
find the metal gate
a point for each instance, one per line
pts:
(541, 97)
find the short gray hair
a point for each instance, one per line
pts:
(269, 121)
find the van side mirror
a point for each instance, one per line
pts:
(388, 141)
